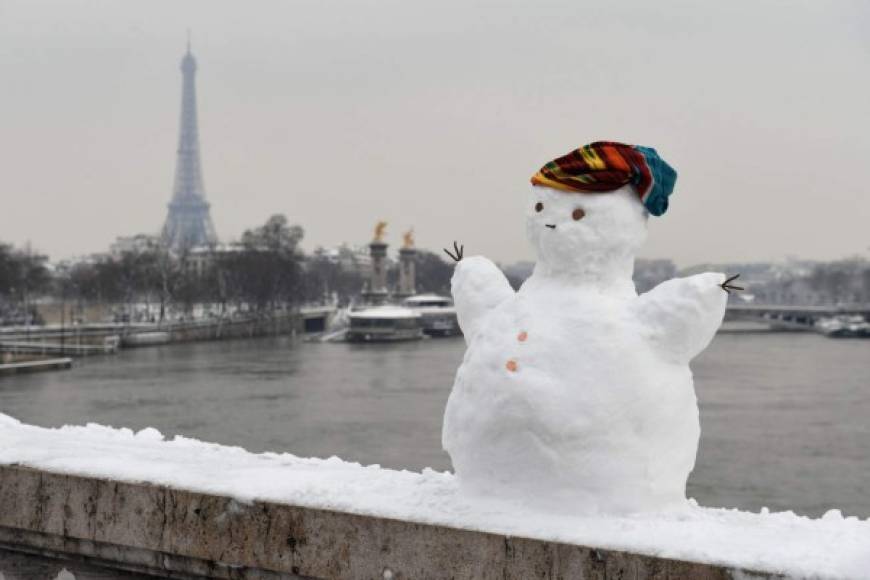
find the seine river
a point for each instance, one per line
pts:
(785, 418)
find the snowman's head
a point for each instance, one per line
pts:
(579, 232)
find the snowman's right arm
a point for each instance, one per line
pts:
(477, 286)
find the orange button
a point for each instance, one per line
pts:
(511, 365)
(522, 336)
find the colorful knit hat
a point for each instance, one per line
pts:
(606, 166)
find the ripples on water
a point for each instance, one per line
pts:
(784, 417)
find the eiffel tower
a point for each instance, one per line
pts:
(188, 223)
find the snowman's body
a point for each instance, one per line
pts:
(575, 392)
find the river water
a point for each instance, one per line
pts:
(785, 418)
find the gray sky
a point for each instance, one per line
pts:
(435, 115)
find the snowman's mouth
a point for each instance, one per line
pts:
(551, 226)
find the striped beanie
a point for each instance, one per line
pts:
(606, 166)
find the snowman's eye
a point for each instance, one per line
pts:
(578, 214)
(539, 207)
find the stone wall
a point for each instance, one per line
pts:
(239, 328)
(150, 529)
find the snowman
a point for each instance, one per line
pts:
(575, 392)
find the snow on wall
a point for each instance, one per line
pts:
(833, 546)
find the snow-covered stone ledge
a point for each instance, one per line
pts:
(136, 501)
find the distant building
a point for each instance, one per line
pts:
(188, 223)
(133, 244)
(355, 259)
(200, 258)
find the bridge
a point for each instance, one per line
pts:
(791, 317)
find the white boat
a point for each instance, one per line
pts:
(437, 313)
(844, 326)
(383, 324)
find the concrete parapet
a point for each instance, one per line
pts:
(151, 529)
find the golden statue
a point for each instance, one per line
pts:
(409, 238)
(379, 231)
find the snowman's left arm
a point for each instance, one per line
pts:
(682, 315)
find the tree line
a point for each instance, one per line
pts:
(24, 276)
(838, 282)
(264, 272)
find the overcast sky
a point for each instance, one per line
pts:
(435, 114)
